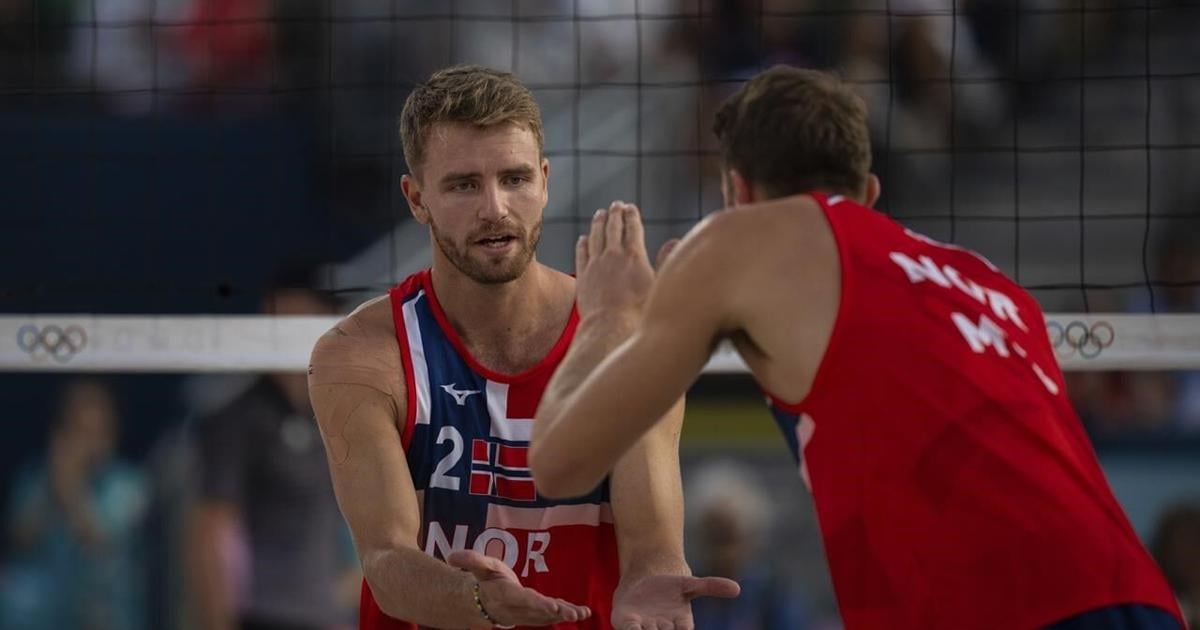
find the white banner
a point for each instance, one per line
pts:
(260, 343)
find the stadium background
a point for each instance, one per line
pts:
(170, 156)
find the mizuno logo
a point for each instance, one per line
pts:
(460, 395)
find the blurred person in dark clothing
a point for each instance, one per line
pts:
(74, 524)
(265, 493)
(1176, 547)
(729, 517)
(1131, 402)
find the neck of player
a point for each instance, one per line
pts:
(510, 326)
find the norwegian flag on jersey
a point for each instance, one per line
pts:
(501, 470)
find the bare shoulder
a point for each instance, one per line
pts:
(769, 234)
(360, 350)
(754, 225)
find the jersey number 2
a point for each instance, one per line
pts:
(441, 478)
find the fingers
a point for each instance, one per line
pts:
(481, 566)
(558, 610)
(617, 227)
(581, 254)
(665, 252)
(694, 587)
(596, 236)
(525, 606)
(650, 624)
(570, 612)
(635, 235)
(614, 231)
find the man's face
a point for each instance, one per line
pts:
(482, 191)
(89, 423)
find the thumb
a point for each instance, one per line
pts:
(664, 253)
(481, 566)
(694, 587)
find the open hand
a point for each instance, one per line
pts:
(507, 601)
(611, 266)
(664, 602)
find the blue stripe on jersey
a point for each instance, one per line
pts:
(787, 424)
(441, 455)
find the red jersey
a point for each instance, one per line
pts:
(954, 484)
(466, 436)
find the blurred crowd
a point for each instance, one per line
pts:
(229, 523)
(228, 520)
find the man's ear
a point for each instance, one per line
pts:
(411, 186)
(874, 189)
(740, 190)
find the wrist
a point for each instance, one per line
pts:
(650, 564)
(481, 607)
(614, 320)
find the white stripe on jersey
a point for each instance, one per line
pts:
(534, 519)
(503, 427)
(412, 328)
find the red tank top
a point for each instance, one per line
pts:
(954, 484)
(466, 436)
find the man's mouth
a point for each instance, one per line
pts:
(496, 242)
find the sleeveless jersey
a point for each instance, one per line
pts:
(954, 484)
(466, 435)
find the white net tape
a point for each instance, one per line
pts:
(219, 343)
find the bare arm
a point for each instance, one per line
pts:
(358, 416)
(647, 492)
(647, 501)
(656, 584)
(376, 495)
(598, 405)
(212, 524)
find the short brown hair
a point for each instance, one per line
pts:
(791, 130)
(471, 94)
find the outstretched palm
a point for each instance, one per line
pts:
(507, 601)
(664, 602)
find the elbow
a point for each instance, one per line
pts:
(556, 478)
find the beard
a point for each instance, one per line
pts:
(476, 265)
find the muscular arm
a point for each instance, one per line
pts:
(647, 494)
(357, 408)
(647, 501)
(599, 404)
(357, 415)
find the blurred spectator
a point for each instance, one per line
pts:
(267, 543)
(1131, 402)
(228, 42)
(1179, 270)
(1176, 394)
(74, 524)
(729, 518)
(1124, 404)
(115, 53)
(1176, 547)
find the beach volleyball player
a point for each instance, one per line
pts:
(954, 484)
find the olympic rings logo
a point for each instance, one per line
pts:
(56, 342)
(1089, 340)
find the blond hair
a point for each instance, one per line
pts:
(470, 94)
